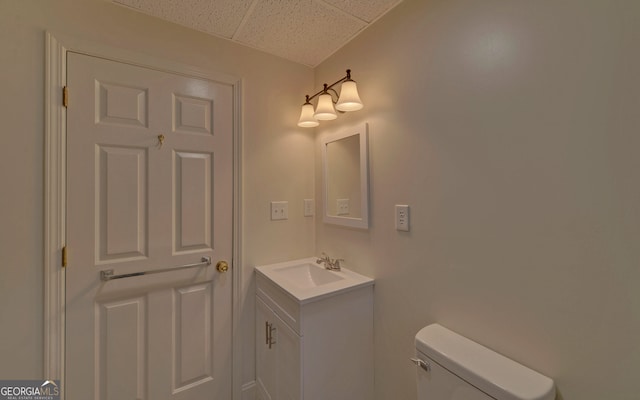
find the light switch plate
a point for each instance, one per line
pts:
(279, 210)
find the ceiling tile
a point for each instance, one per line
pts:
(217, 17)
(306, 31)
(367, 10)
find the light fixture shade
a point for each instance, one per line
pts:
(307, 120)
(349, 99)
(325, 110)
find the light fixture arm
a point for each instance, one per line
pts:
(330, 87)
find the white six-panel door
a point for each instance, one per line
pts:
(150, 187)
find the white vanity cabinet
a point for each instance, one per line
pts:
(314, 348)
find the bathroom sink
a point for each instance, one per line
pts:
(307, 276)
(306, 280)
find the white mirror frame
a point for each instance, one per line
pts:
(363, 221)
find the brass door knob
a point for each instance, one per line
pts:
(222, 266)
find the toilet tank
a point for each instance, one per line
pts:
(456, 368)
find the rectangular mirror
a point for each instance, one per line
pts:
(345, 178)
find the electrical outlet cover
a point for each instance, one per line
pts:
(308, 207)
(343, 206)
(402, 218)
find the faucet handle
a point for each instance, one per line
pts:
(336, 263)
(324, 258)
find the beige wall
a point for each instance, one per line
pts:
(272, 92)
(511, 129)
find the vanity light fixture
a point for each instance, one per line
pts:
(348, 100)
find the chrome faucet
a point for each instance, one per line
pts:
(329, 263)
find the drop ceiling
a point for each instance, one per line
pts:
(304, 31)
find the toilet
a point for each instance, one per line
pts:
(452, 367)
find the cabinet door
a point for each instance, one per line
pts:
(288, 365)
(265, 356)
(278, 350)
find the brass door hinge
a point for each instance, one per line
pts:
(65, 97)
(64, 256)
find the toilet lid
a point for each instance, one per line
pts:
(493, 373)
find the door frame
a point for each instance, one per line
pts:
(56, 48)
